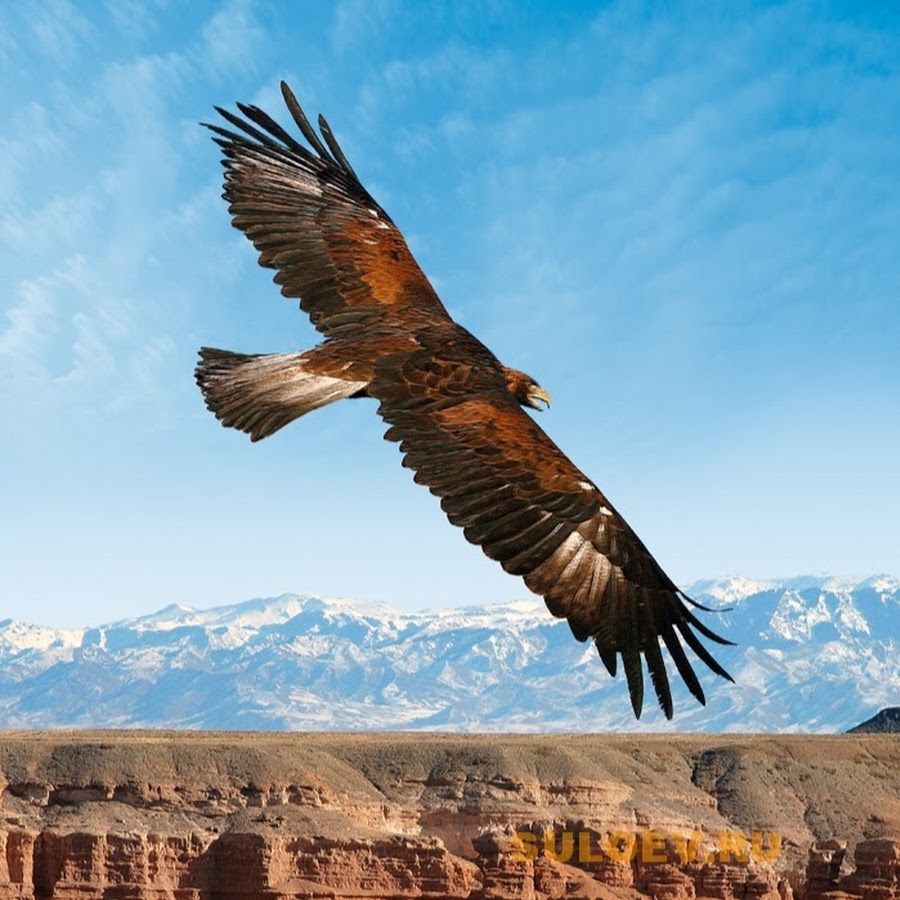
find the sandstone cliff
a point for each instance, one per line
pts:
(201, 815)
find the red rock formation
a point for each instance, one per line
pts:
(197, 817)
(507, 869)
(877, 875)
(79, 865)
(111, 866)
(823, 871)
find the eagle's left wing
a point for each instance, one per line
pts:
(310, 218)
(520, 498)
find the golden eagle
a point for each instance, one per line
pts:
(455, 409)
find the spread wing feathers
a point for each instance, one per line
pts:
(310, 218)
(519, 497)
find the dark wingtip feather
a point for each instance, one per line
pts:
(634, 673)
(694, 643)
(226, 138)
(685, 669)
(303, 124)
(658, 676)
(264, 120)
(247, 128)
(335, 147)
(275, 139)
(704, 630)
(608, 658)
(698, 605)
(637, 701)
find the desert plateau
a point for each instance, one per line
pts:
(196, 815)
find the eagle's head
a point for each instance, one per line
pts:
(526, 390)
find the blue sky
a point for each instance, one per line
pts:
(681, 218)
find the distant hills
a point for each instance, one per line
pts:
(885, 722)
(814, 654)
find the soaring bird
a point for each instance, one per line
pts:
(455, 409)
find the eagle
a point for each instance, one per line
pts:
(456, 411)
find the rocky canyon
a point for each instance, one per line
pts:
(197, 815)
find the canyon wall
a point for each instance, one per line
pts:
(191, 816)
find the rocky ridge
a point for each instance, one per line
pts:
(886, 721)
(192, 816)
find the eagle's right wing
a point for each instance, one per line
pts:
(521, 499)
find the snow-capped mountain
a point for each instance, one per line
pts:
(813, 654)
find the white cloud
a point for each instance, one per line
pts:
(135, 19)
(87, 319)
(63, 327)
(60, 30)
(454, 65)
(358, 21)
(55, 226)
(233, 39)
(31, 136)
(28, 322)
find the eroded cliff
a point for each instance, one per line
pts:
(200, 815)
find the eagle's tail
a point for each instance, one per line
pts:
(262, 393)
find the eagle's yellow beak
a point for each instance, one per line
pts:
(537, 394)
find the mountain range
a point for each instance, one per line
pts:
(815, 654)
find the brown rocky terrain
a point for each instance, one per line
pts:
(190, 816)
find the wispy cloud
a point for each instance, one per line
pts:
(233, 39)
(60, 30)
(30, 135)
(135, 19)
(66, 328)
(31, 321)
(358, 21)
(453, 66)
(86, 325)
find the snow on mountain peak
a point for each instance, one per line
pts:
(814, 652)
(882, 584)
(730, 589)
(797, 616)
(17, 636)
